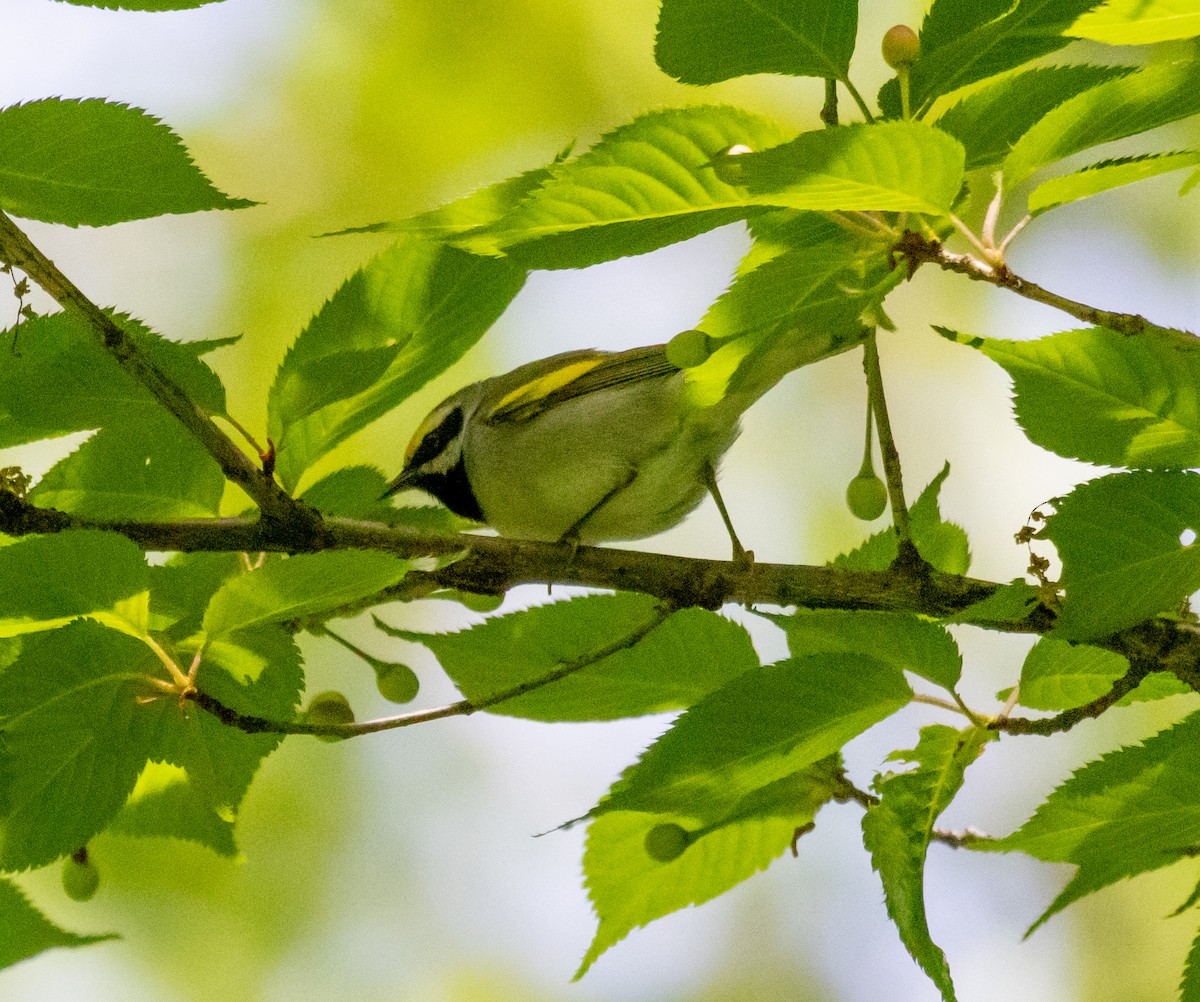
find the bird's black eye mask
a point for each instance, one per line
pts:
(435, 441)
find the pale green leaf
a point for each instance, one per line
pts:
(1106, 175)
(391, 327)
(895, 166)
(309, 584)
(1156, 95)
(1124, 550)
(644, 185)
(94, 163)
(1104, 397)
(27, 932)
(679, 661)
(1189, 987)
(164, 804)
(763, 725)
(706, 41)
(1057, 675)
(1139, 22)
(1134, 810)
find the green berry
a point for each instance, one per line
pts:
(80, 878)
(397, 683)
(329, 708)
(667, 842)
(866, 496)
(725, 164)
(901, 46)
(689, 348)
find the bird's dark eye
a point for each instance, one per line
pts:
(435, 441)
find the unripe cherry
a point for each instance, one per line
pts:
(901, 46)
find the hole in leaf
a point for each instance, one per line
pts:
(1187, 537)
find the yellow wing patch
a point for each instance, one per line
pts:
(538, 389)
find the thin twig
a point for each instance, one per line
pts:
(887, 443)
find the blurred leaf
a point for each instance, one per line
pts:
(1009, 603)
(680, 660)
(897, 830)
(1133, 810)
(645, 185)
(27, 931)
(943, 544)
(706, 41)
(303, 585)
(46, 581)
(1057, 675)
(78, 726)
(56, 379)
(1156, 95)
(763, 725)
(629, 888)
(1119, 538)
(994, 117)
(1139, 22)
(1106, 175)
(143, 5)
(391, 327)
(895, 166)
(1189, 988)
(1103, 397)
(151, 470)
(94, 163)
(901, 640)
(963, 41)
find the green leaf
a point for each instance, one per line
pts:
(181, 587)
(1057, 675)
(706, 41)
(1105, 176)
(151, 470)
(901, 640)
(1124, 552)
(628, 888)
(144, 5)
(894, 166)
(57, 379)
(94, 163)
(79, 723)
(1134, 810)
(679, 661)
(1139, 22)
(1189, 988)
(645, 185)
(27, 932)
(942, 544)
(761, 726)
(164, 804)
(1009, 603)
(1156, 95)
(46, 581)
(393, 326)
(963, 41)
(897, 830)
(1104, 397)
(994, 117)
(305, 585)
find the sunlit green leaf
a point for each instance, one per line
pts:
(303, 585)
(644, 185)
(706, 41)
(92, 162)
(897, 166)
(27, 931)
(1139, 22)
(629, 888)
(1134, 810)
(1103, 397)
(994, 117)
(1153, 96)
(1105, 176)
(1126, 550)
(393, 326)
(897, 830)
(164, 804)
(1057, 675)
(763, 725)
(675, 664)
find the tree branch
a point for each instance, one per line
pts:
(17, 251)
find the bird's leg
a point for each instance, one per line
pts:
(572, 534)
(740, 554)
